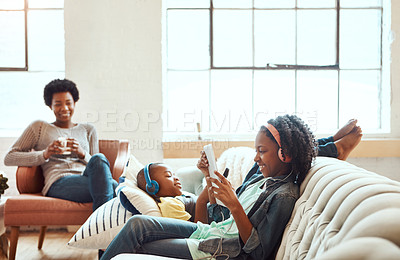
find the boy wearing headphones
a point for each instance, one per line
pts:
(158, 180)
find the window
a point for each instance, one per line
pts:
(31, 55)
(233, 64)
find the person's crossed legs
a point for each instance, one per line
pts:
(348, 142)
(342, 142)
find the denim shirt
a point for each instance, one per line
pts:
(269, 217)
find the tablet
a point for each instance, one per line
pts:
(212, 165)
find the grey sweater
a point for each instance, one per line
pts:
(28, 150)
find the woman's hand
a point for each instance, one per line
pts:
(54, 148)
(202, 164)
(76, 147)
(224, 192)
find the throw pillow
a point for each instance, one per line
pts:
(102, 226)
(105, 223)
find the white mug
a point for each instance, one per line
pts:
(64, 142)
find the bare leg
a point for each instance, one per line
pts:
(348, 142)
(345, 130)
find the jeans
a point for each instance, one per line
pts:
(94, 185)
(152, 235)
(327, 148)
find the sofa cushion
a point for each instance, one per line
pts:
(47, 211)
(239, 160)
(363, 248)
(191, 179)
(340, 202)
(105, 223)
(131, 196)
(102, 226)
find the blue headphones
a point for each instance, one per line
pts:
(152, 186)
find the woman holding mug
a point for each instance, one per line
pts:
(66, 151)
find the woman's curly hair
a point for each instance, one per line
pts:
(297, 141)
(57, 86)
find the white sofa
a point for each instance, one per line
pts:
(344, 212)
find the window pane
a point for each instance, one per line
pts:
(231, 101)
(188, 39)
(360, 38)
(274, 4)
(186, 101)
(188, 3)
(11, 4)
(46, 3)
(359, 98)
(46, 40)
(317, 93)
(274, 94)
(316, 3)
(360, 3)
(232, 38)
(12, 39)
(22, 98)
(271, 45)
(232, 3)
(316, 43)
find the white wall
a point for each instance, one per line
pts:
(113, 53)
(395, 68)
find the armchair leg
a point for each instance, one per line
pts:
(41, 236)
(13, 242)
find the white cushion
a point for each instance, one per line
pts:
(138, 198)
(132, 169)
(102, 226)
(105, 223)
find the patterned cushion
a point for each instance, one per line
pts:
(102, 226)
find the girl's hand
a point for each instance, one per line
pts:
(224, 192)
(75, 147)
(202, 164)
(54, 148)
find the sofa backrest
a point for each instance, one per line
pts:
(343, 208)
(239, 161)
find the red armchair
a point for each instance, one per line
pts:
(31, 208)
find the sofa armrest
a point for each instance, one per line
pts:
(191, 179)
(117, 153)
(29, 179)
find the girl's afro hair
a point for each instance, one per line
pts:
(297, 141)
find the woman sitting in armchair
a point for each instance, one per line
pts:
(66, 151)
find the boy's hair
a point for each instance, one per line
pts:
(57, 86)
(297, 141)
(141, 180)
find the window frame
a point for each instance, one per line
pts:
(383, 125)
(9, 130)
(25, 10)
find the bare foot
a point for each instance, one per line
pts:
(346, 129)
(347, 143)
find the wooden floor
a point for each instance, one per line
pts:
(54, 247)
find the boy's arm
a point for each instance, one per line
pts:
(201, 207)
